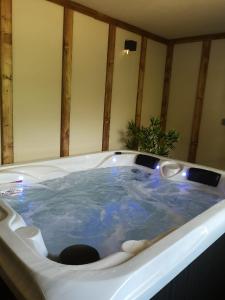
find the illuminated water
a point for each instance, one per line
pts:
(104, 207)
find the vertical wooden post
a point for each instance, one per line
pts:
(166, 87)
(141, 81)
(66, 81)
(6, 84)
(108, 86)
(197, 115)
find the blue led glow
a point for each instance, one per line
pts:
(184, 174)
(20, 194)
(158, 167)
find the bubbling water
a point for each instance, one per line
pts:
(107, 206)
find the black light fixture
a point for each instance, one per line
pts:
(130, 45)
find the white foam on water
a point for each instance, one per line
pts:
(105, 207)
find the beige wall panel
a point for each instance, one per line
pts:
(125, 82)
(182, 94)
(88, 84)
(211, 150)
(37, 60)
(153, 84)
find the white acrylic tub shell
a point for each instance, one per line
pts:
(139, 271)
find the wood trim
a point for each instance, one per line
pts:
(105, 18)
(6, 84)
(66, 81)
(199, 38)
(141, 81)
(197, 115)
(166, 86)
(108, 86)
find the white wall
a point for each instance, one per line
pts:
(37, 67)
(88, 84)
(153, 81)
(125, 83)
(184, 78)
(211, 150)
(37, 61)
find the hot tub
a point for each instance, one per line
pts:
(149, 217)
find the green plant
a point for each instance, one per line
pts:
(152, 139)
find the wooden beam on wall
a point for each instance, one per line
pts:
(199, 38)
(6, 84)
(108, 86)
(102, 17)
(66, 81)
(141, 81)
(166, 86)
(197, 115)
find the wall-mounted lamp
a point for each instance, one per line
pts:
(129, 45)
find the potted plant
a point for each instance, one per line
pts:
(152, 139)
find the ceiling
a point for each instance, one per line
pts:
(167, 18)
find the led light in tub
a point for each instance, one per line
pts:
(20, 179)
(114, 159)
(184, 174)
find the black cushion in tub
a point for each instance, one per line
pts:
(147, 161)
(203, 176)
(79, 255)
(118, 153)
